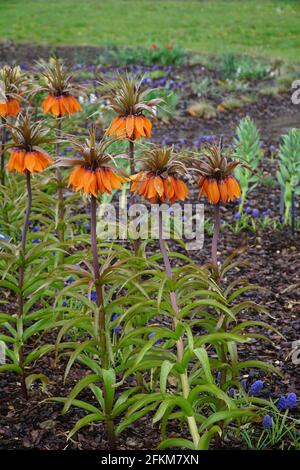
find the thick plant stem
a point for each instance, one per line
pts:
(100, 319)
(21, 276)
(131, 157)
(136, 243)
(100, 301)
(179, 344)
(3, 142)
(60, 193)
(214, 245)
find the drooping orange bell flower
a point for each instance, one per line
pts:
(59, 100)
(217, 182)
(159, 180)
(130, 127)
(127, 98)
(11, 107)
(95, 172)
(27, 137)
(33, 161)
(60, 105)
(12, 85)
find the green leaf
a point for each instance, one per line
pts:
(109, 379)
(84, 422)
(83, 383)
(166, 368)
(176, 442)
(202, 355)
(207, 436)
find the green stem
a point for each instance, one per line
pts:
(21, 277)
(214, 244)
(60, 193)
(3, 142)
(192, 423)
(100, 322)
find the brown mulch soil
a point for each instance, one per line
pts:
(274, 258)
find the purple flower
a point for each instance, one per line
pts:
(291, 400)
(256, 387)
(94, 296)
(272, 149)
(237, 216)
(36, 240)
(64, 304)
(118, 328)
(182, 141)
(218, 378)
(231, 392)
(248, 210)
(87, 227)
(255, 213)
(36, 228)
(244, 383)
(267, 422)
(282, 405)
(70, 280)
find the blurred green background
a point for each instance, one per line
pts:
(269, 28)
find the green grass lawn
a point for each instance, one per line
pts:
(268, 28)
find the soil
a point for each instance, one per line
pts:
(274, 263)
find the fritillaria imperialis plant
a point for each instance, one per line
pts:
(59, 101)
(288, 174)
(217, 184)
(27, 157)
(247, 149)
(127, 97)
(13, 84)
(95, 172)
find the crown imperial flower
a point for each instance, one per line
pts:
(217, 182)
(95, 171)
(127, 98)
(59, 100)
(159, 178)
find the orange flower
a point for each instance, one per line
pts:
(225, 189)
(130, 127)
(60, 105)
(162, 188)
(33, 161)
(10, 108)
(93, 181)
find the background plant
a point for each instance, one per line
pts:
(288, 174)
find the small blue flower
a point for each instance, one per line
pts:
(87, 227)
(267, 422)
(36, 228)
(218, 378)
(272, 149)
(36, 240)
(244, 383)
(94, 296)
(248, 210)
(255, 213)
(291, 400)
(282, 405)
(151, 336)
(231, 392)
(118, 328)
(182, 141)
(70, 280)
(64, 304)
(237, 216)
(256, 387)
